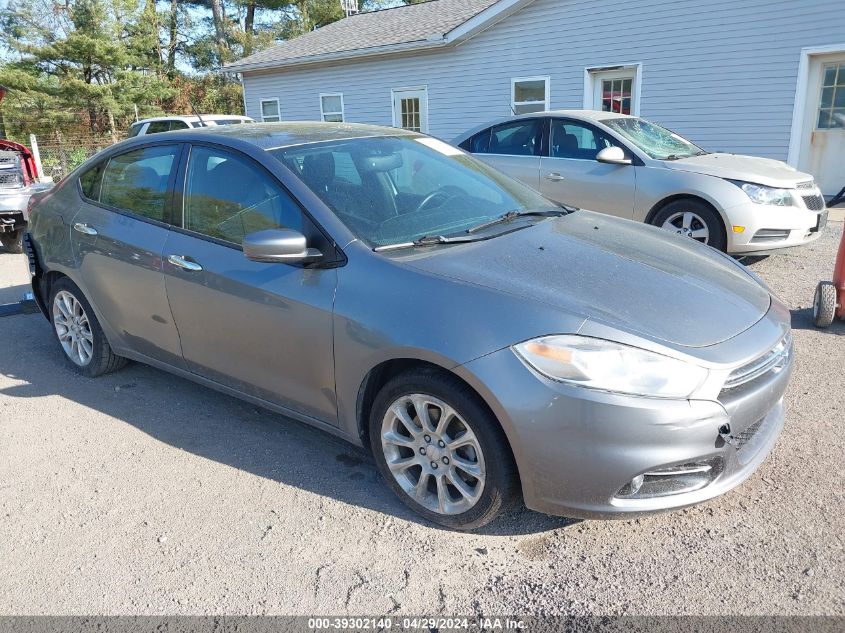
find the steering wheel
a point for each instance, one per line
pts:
(446, 193)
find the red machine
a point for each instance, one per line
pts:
(829, 302)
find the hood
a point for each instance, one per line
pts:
(762, 171)
(627, 275)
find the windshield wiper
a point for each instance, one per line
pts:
(428, 240)
(513, 215)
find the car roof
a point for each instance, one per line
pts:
(191, 117)
(584, 115)
(272, 135)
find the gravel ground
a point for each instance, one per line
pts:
(141, 493)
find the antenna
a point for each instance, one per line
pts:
(350, 7)
(196, 114)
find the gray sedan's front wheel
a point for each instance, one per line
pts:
(440, 450)
(79, 333)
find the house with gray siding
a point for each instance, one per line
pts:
(762, 77)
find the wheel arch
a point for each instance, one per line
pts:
(658, 206)
(378, 376)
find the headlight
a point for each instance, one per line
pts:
(765, 195)
(608, 366)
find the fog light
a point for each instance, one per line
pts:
(672, 480)
(739, 229)
(636, 484)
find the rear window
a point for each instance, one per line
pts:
(89, 181)
(136, 127)
(137, 181)
(158, 126)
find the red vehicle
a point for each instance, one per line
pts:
(829, 302)
(18, 181)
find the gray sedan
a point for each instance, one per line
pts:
(393, 290)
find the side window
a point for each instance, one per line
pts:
(158, 126)
(228, 197)
(134, 129)
(570, 139)
(90, 181)
(519, 138)
(137, 181)
(480, 143)
(178, 125)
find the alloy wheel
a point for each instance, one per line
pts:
(73, 328)
(433, 454)
(689, 224)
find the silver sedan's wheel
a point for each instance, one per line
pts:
(433, 454)
(688, 223)
(73, 328)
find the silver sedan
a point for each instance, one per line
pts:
(632, 168)
(393, 290)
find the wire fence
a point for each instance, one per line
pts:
(61, 154)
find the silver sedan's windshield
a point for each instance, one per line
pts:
(658, 142)
(397, 189)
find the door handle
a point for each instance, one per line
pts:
(554, 177)
(84, 228)
(185, 264)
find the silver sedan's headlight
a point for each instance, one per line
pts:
(765, 195)
(608, 366)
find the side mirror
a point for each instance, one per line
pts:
(613, 155)
(279, 246)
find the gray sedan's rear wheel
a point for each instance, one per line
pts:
(824, 304)
(440, 450)
(694, 219)
(79, 333)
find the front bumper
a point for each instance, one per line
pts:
(767, 227)
(576, 449)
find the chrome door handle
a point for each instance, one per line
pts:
(84, 228)
(186, 264)
(554, 177)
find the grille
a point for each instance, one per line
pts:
(10, 179)
(814, 202)
(773, 360)
(741, 439)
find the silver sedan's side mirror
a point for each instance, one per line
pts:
(279, 245)
(613, 155)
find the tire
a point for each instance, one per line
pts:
(477, 444)
(12, 242)
(694, 218)
(78, 332)
(824, 304)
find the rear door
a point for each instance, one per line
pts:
(570, 174)
(262, 329)
(118, 236)
(513, 148)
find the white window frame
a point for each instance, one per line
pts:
(592, 74)
(423, 105)
(342, 111)
(515, 80)
(271, 119)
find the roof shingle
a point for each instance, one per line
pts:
(371, 30)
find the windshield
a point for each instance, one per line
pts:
(392, 190)
(656, 141)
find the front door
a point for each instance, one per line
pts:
(263, 329)
(118, 236)
(513, 148)
(570, 174)
(823, 149)
(410, 109)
